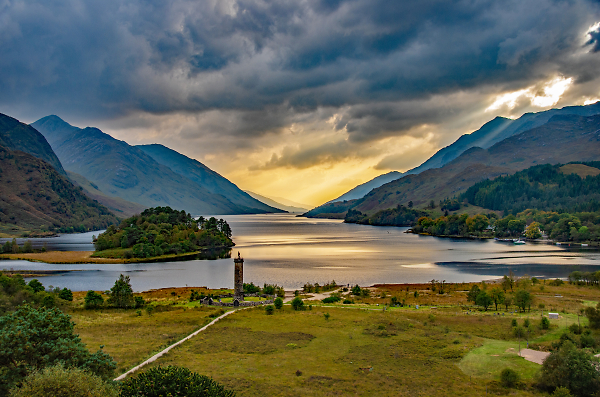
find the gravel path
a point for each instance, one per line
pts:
(534, 356)
(162, 353)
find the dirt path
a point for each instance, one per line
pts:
(534, 356)
(165, 351)
(289, 296)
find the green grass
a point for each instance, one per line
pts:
(354, 352)
(490, 359)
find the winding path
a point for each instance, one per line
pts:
(165, 351)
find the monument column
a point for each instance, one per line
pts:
(238, 278)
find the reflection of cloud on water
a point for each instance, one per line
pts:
(420, 266)
(331, 267)
(531, 269)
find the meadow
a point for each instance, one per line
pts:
(446, 347)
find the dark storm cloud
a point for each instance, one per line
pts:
(373, 58)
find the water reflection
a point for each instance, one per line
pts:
(290, 251)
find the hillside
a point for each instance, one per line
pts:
(127, 172)
(489, 134)
(35, 197)
(563, 139)
(276, 204)
(15, 135)
(542, 187)
(205, 177)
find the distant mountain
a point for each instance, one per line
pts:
(490, 133)
(563, 139)
(121, 170)
(276, 204)
(121, 208)
(35, 197)
(366, 187)
(205, 177)
(15, 135)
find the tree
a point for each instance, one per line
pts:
(121, 294)
(508, 282)
(93, 300)
(509, 377)
(410, 204)
(66, 294)
(594, 316)
(472, 294)
(483, 300)
(507, 302)
(172, 381)
(533, 231)
(278, 302)
(570, 368)
(32, 339)
(36, 286)
(497, 296)
(297, 303)
(523, 299)
(356, 290)
(59, 381)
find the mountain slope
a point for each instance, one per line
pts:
(15, 135)
(35, 196)
(490, 133)
(205, 177)
(276, 204)
(124, 171)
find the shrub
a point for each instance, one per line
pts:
(557, 282)
(326, 315)
(172, 381)
(278, 302)
(332, 299)
(509, 377)
(57, 381)
(36, 286)
(562, 392)
(594, 316)
(93, 300)
(269, 309)
(32, 339)
(356, 290)
(297, 303)
(66, 294)
(139, 302)
(545, 324)
(347, 302)
(49, 301)
(575, 329)
(513, 322)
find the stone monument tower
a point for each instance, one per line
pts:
(238, 278)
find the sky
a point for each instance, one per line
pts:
(301, 99)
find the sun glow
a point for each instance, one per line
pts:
(545, 95)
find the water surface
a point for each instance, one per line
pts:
(290, 251)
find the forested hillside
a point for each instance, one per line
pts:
(543, 187)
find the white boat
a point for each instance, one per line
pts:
(518, 242)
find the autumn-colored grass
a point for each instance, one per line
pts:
(68, 257)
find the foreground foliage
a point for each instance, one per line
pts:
(172, 381)
(162, 230)
(31, 339)
(58, 381)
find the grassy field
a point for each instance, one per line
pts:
(79, 257)
(450, 349)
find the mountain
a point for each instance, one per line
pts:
(36, 197)
(489, 134)
(276, 204)
(363, 189)
(127, 172)
(15, 135)
(563, 139)
(205, 177)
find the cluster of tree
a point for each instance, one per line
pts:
(120, 296)
(521, 299)
(316, 287)
(399, 216)
(449, 204)
(585, 278)
(268, 289)
(564, 226)
(14, 291)
(12, 247)
(455, 225)
(543, 187)
(162, 230)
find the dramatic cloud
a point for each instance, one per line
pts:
(295, 84)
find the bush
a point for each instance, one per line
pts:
(356, 290)
(139, 302)
(278, 302)
(561, 392)
(545, 324)
(332, 299)
(297, 303)
(57, 381)
(172, 381)
(347, 302)
(557, 282)
(269, 309)
(575, 329)
(509, 377)
(93, 300)
(32, 339)
(66, 294)
(36, 286)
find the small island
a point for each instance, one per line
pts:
(162, 232)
